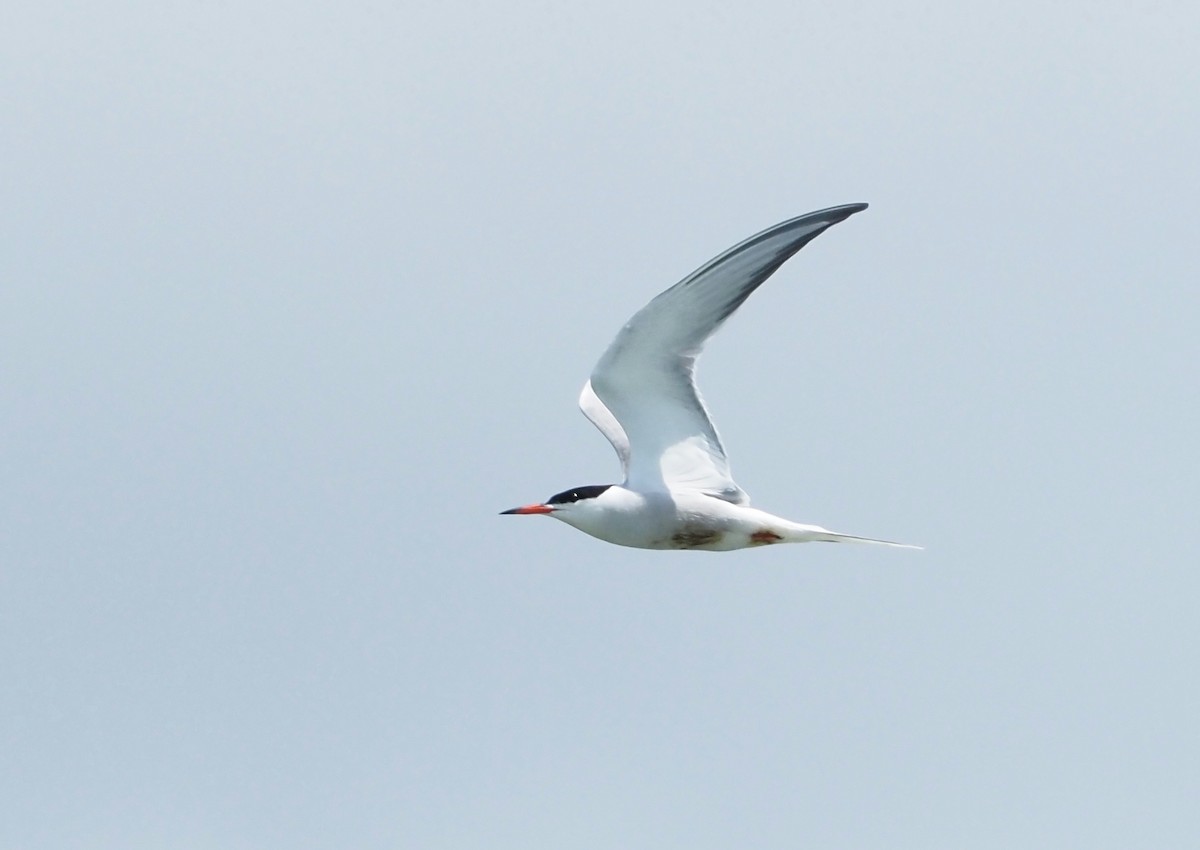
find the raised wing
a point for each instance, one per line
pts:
(642, 394)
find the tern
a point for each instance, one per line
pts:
(678, 491)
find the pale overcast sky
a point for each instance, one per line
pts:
(295, 298)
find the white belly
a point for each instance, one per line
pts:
(686, 521)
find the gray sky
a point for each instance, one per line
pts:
(294, 301)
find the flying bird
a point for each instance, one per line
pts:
(678, 491)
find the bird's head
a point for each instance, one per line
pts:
(571, 506)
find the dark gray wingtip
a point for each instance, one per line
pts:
(840, 213)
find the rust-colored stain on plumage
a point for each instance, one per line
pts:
(762, 538)
(690, 538)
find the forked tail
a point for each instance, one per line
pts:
(806, 533)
